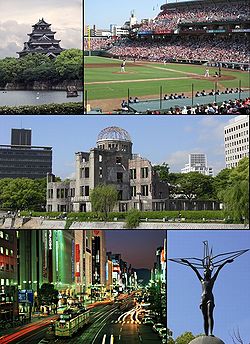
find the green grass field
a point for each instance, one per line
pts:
(103, 79)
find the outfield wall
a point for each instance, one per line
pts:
(101, 53)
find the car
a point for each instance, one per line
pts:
(162, 332)
(157, 327)
(148, 321)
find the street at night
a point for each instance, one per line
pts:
(110, 323)
(87, 287)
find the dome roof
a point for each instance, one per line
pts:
(114, 133)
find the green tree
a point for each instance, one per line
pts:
(47, 295)
(103, 199)
(194, 185)
(23, 194)
(185, 338)
(163, 171)
(221, 182)
(236, 195)
(133, 218)
(69, 64)
(170, 339)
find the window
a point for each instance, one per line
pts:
(86, 172)
(12, 267)
(62, 193)
(72, 192)
(81, 190)
(119, 177)
(120, 195)
(1, 250)
(118, 159)
(57, 193)
(133, 173)
(6, 236)
(1, 234)
(49, 207)
(7, 251)
(50, 191)
(100, 158)
(144, 172)
(144, 190)
(133, 191)
(86, 190)
(11, 253)
(66, 193)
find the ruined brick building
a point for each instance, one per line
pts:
(111, 162)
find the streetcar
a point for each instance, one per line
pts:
(70, 322)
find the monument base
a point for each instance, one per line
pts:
(206, 340)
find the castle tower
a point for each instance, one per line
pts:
(41, 40)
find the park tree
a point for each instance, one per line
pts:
(185, 338)
(69, 64)
(47, 295)
(170, 339)
(103, 199)
(162, 171)
(194, 185)
(236, 196)
(221, 182)
(23, 194)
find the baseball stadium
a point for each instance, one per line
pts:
(192, 58)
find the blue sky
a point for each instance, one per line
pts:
(160, 139)
(117, 12)
(231, 290)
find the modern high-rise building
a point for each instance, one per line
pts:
(21, 137)
(46, 256)
(197, 162)
(236, 140)
(8, 275)
(22, 160)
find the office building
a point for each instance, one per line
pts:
(236, 140)
(197, 162)
(22, 160)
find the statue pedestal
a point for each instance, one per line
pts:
(206, 340)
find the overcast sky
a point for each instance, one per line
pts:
(18, 16)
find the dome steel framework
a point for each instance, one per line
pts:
(114, 133)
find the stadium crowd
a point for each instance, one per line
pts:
(98, 43)
(170, 18)
(226, 49)
(235, 107)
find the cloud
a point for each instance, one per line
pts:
(211, 129)
(178, 159)
(12, 36)
(65, 17)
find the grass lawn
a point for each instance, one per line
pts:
(110, 83)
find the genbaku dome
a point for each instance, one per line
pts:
(112, 162)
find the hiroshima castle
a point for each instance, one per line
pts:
(41, 40)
